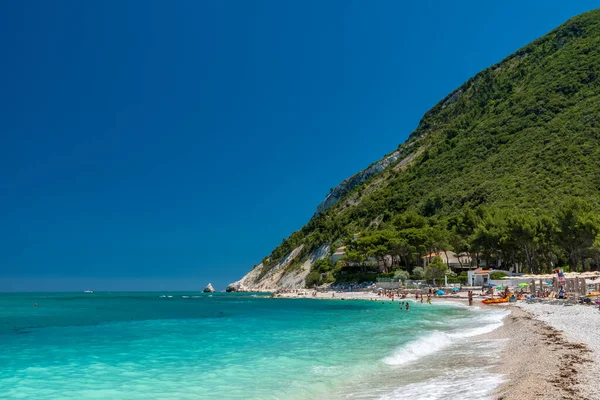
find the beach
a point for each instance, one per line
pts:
(567, 338)
(549, 350)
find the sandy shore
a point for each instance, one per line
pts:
(551, 351)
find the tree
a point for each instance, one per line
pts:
(577, 230)
(402, 275)
(409, 220)
(440, 239)
(419, 272)
(400, 250)
(323, 265)
(354, 257)
(418, 240)
(437, 269)
(312, 279)
(377, 245)
(463, 227)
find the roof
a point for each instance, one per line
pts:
(480, 271)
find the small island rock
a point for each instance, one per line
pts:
(209, 289)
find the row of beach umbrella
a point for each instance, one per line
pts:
(521, 285)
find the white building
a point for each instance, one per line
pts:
(450, 258)
(339, 253)
(478, 277)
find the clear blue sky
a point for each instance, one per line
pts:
(165, 145)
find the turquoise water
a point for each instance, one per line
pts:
(238, 346)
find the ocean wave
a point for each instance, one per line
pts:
(438, 340)
(461, 384)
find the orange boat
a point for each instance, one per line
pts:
(495, 301)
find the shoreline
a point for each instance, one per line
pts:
(539, 361)
(540, 358)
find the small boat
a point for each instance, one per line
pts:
(495, 301)
(88, 291)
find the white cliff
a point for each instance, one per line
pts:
(270, 278)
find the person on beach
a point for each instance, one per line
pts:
(470, 294)
(428, 299)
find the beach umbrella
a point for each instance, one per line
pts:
(523, 284)
(500, 288)
(441, 292)
(455, 289)
(492, 284)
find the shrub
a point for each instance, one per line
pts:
(402, 275)
(497, 275)
(418, 273)
(312, 279)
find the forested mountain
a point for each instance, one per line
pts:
(505, 168)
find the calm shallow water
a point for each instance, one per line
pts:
(238, 346)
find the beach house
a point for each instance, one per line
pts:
(339, 253)
(478, 277)
(456, 262)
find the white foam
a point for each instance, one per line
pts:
(425, 346)
(460, 383)
(438, 340)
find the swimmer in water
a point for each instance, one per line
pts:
(407, 306)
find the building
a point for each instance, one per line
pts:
(339, 253)
(478, 277)
(454, 261)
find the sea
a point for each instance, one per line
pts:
(242, 346)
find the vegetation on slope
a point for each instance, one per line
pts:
(501, 160)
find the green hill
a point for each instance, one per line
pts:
(505, 168)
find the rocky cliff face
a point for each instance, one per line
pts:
(280, 276)
(349, 184)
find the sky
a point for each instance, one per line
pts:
(155, 145)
